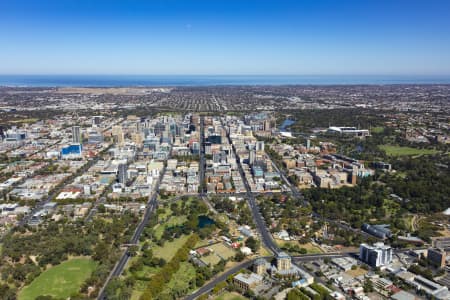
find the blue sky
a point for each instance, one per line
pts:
(302, 37)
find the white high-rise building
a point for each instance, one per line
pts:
(76, 134)
(377, 255)
(252, 157)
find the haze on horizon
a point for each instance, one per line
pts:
(170, 37)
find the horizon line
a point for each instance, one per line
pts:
(218, 74)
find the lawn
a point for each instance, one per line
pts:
(357, 272)
(222, 251)
(310, 248)
(377, 129)
(180, 280)
(211, 259)
(230, 296)
(406, 151)
(170, 248)
(60, 281)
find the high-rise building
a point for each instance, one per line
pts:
(96, 120)
(76, 134)
(95, 137)
(283, 261)
(118, 135)
(260, 266)
(259, 146)
(252, 157)
(436, 257)
(137, 138)
(377, 255)
(122, 173)
(208, 148)
(215, 139)
(267, 125)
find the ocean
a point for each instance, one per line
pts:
(208, 80)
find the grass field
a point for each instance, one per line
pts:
(60, 281)
(377, 129)
(222, 250)
(357, 272)
(211, 259)
(406, 151)
(170, 248)
(219, 252)
(230, 296)
(310, 248)
(180, 280)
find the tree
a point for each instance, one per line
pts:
(368, 286)
(252, 243)
(239, 256)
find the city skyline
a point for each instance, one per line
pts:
(225, 38)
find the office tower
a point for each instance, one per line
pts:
(259, 267)
(208, 148)
(267, 126)
(215, 139)
(308, 144)
(94, 137)
(122, 173)
(76, 134)
(137, 138)
(259, 146)
(283, 261)
(118, 135)
(377, 255)
(96, 120)
(252, 157)
(437, 257)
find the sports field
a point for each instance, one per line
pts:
(60, 281)
(406, 151)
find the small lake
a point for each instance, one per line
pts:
(286, 123)
(204, 221)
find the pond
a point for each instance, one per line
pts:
(286, 123)
(204, 221)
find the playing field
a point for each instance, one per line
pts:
(405, 151)
(170, 248)
(230, 296)
(60, 281)
(211, 259)
(378, 129)
(222, 251)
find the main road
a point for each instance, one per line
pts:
(152, 204)
(260, 223)
(246, 264)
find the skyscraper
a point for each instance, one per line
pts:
(283, 261)
(259, 146)
(122, 176)
(76, 134)
(377, 255)
(252, 157)
(96, 120)
(118, 135)
(267, 126)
